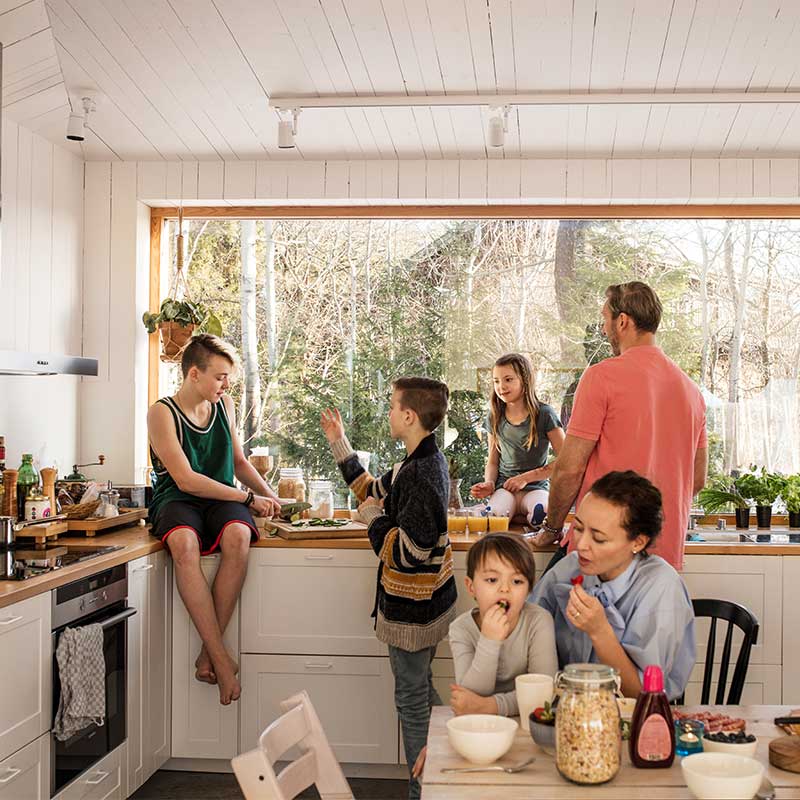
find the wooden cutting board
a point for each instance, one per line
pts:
(94, 525)
(784, 753)
(353, 530)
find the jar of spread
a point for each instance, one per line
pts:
(320, 495)
(291, 484)
(37, 505)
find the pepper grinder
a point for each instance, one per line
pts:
(48, 475)
(10, 493)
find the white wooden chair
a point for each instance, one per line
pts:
(299, 725)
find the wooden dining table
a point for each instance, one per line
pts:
(542, 779)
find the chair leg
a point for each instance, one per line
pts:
(256, 776)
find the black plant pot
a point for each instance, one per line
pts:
(794, 519)
(743, 518)
(764, 517)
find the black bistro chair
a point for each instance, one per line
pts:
(736, 616)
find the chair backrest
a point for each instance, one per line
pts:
(299, 726)
(736, 616)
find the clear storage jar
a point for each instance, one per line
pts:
(291, 484)
(588, 737)
(320, 495)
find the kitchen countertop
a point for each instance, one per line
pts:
(137, 542)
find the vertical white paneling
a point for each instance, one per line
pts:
(174, 181)
(503, 180)
(151, 180)
(705, 180)
(761, 181)
(626, 180)
(648, 182)
(783, 178)
(381, 180)
(337, 180)
(674, 178)
(191, 180)
(543, 180)
(472, 180)
(210, 180)
(306, 180)
(411, 181)
(240, 181)
(271, 180)
(22, 266)
(40, 300)
(358, 181)
(441, 180)
(8, 252)
(736, 179)
(587, 180)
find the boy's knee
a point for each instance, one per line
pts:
(183, 547)
(235, 540)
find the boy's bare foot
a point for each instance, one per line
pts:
(204, 670)
(229, 687)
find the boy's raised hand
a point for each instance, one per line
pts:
(332, 425)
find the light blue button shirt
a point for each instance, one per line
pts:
(647, 606)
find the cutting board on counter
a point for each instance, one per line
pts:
(353, 530)
(91, 526)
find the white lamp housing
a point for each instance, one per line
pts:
(75, 127)
(287, 129)
(498, 125)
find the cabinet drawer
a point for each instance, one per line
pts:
(25, 775)
(310, 601)
(104, 781)
(762, 687)
(26, 668)
(354, 698)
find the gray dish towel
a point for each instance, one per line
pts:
(82, 670)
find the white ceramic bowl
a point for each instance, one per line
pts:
(744, 749)
(721, 776)
(481, 738)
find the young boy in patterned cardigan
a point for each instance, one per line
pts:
(406, 510)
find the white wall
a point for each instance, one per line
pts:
(40, 292)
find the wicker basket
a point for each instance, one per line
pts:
(81, 510)
(174, 339)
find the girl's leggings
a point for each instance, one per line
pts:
(531, 503)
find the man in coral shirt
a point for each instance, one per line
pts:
(636, 411)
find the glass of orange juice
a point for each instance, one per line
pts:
(498, 523)
(476, 522)
(457, 521)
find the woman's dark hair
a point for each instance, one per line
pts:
(640, 499)
(508, 547)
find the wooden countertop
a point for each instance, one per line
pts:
(137, 542)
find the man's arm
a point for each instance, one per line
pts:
(700, 469)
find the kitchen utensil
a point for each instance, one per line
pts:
(496, 768)
(784, 753)
(6, 531)
(787, 720)
(44, 521)
(48, 476)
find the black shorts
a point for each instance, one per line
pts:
(207, 518)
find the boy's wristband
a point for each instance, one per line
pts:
(369, 513)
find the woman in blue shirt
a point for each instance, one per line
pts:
(632, 609)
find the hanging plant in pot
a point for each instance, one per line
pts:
(177, 321)
(791, 497)
(763, 488)
(723, 492)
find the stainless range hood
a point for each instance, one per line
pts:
(14, 362)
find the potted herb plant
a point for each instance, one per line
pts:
(177, 321)
(791, 497)
(763, 488)
(723, 492)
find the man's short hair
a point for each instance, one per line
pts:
(426, 397)
(202, 347)
(638, 301)
(508, 547)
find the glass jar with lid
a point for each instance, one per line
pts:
(291, 484)
(588, 739)
(320, 495)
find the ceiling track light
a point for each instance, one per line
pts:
(498, 125)
(79, 121)
(287, 127)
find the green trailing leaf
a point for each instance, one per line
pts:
(184, 313)
(791, 493)
(760, 486)
(720, 494)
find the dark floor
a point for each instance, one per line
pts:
(166, 785)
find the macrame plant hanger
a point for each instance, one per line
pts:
(174, 338)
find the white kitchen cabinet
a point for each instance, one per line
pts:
(353, 696)
(104, 781)
(25, 775)
(149, 675)
(762, 687)
(201, 726)
(26, 666)
(791, 631)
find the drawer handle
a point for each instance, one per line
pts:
(309, 665)
(144, 568)
(13, 774)
(319, 558)
(103, 776)
(10, 620)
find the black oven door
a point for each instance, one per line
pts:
(85, 748)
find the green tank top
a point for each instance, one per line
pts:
(209, 451)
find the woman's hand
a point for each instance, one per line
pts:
(332, 425)
(494, 625)
(543, 539)
(516, 482)
(481, 490)
(265, 506)
(586, 613)
(464, 701)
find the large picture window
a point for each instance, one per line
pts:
(328, 312)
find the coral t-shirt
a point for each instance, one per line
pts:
(647, 415)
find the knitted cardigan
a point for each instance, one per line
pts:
(416, 592)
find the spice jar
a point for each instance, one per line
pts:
(37, 505)
(291, 484)
(320, 495)
(588, 738)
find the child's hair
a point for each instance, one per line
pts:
(426, 397)
(522, 367)
(639, 498)
(202, 347)
(508, 547)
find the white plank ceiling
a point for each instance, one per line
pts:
(190, 79)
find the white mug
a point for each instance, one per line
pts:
(533, 691)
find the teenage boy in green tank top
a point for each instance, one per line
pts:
(197, 508)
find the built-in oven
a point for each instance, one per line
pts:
(99, 599)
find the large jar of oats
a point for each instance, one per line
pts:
(587, 723)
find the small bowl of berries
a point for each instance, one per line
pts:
(737, 743)
(542, 723)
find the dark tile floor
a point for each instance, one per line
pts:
(165, 785)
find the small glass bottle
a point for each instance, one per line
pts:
(652, 742)
(320, 495)
(27, 479)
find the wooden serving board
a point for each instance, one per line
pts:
(41, 533)
(784, 753)
(94, 525)
(353, 530)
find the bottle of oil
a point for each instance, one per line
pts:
(27, 479)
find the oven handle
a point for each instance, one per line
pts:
(107, 623)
